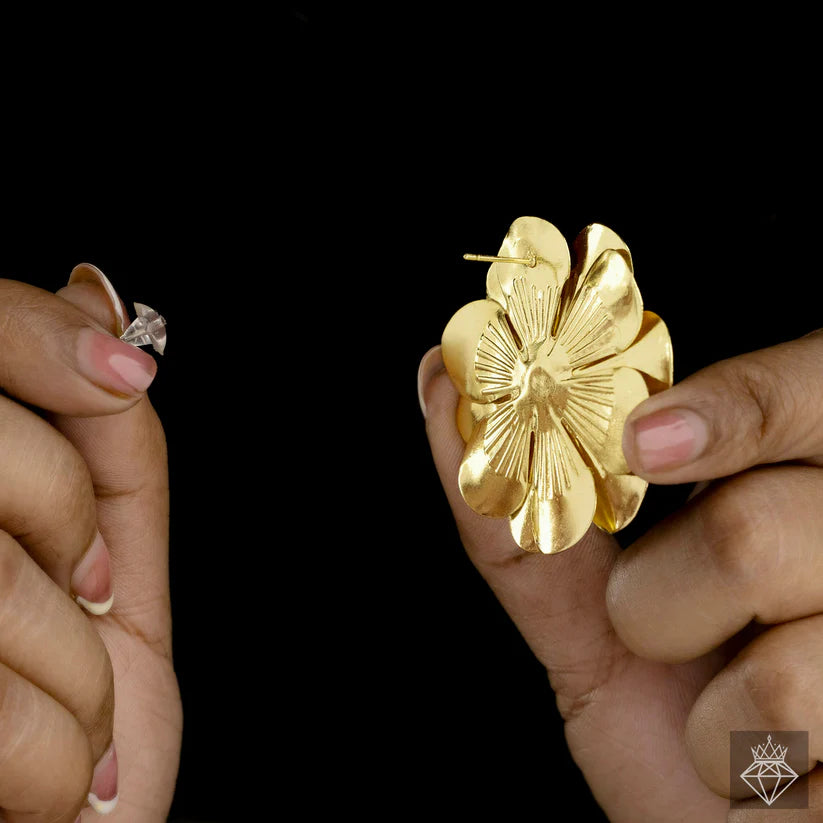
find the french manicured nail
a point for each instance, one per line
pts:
(86, 273)
(430, 365)
(91, 581)
(668, 439)
(113, 365)
(103, 793)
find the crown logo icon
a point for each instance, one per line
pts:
(769, 775)
(769, 752)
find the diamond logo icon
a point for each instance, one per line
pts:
(769, 775)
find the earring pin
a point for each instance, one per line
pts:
(530, 261)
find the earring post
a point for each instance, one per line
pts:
(531, 262)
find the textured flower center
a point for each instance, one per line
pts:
(541, 385)
(544, 390)
(532, 374)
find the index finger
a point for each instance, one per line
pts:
(56, 357)
(762, 407)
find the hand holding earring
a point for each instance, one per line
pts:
(711, 620)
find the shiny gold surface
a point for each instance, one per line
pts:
(548, 367)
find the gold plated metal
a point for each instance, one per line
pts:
(548, 367)
(531, 262)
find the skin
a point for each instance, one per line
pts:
(78, 458)
(710, 622)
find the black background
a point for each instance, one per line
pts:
(296, 203)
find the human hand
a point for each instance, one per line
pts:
(710, 622)
(71, 681)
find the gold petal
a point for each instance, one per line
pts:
(462, 338)
(651, 353)
(555, 522)
(469, 414)
(618, 499)
(465, 419)
(605, 314)
(484, 489)
(596, 410)
(527, 237)
(590, 244)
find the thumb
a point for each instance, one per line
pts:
(757, 408)
(126, 455)
(557, 601)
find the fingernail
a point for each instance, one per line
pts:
(668, 439)
(103, 794)
(113, 365)
(91, 581)
(430, 365)
(86, 273)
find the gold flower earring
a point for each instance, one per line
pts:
(548, 367)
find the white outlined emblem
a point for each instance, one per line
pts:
(769, 775)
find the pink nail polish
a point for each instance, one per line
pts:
(114, 365)
(103, 793)
(668, 439)
(91, 581)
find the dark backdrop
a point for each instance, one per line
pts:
(297, 209)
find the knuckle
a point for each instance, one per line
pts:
(11, 566)
(766, 395)
(75, 788)
(16, 314)
(751, 386)
(70, 479)
(736, 528)
(24, 313)
(99, 723)
(705, 737)
(68, 491)
(70, 786)
(754, 391)
(700, 753)
(775, 682)
(48, 750)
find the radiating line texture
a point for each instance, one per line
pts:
(552, 362)
(527, 372)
